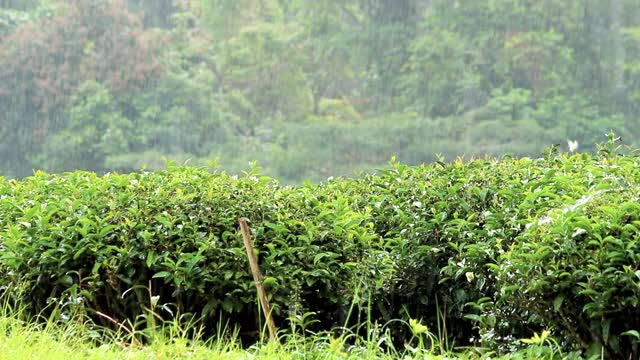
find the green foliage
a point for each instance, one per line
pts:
(314, 89)
(439, 71)
(9, 19)
(102, 239)
(326, 147)
(44, 62)
(95, 131)
(157, 13)
(247, 80)
(486, 251)
(574, 269)
(22, 338)
(265, 78)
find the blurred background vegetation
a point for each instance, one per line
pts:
(309, 88)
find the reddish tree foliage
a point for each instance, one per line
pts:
(44, 61)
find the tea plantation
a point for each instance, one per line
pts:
(489, 251)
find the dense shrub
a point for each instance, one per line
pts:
(492, 250)
(444, 223)
(575, 269)
(104, 238)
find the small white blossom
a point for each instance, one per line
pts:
(470, 276)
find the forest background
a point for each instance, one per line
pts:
(309, 88)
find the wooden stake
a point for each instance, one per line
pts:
(257, 277)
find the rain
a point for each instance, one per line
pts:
(307, 89)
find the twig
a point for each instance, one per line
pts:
(135, 341)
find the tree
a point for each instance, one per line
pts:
(22, 5)
(94, 130)
(156, 13)
(225, 18)
(45, 60)
(389, 29)
(264, 73)
(441, 76)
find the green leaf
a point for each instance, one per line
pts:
(633, 333)
(588, 292)
(269, 281)
(96, 267)
(557, 302)
(473, 317)
(79, 253)
(606, 327)
(318, 257)
(151, 258)
(161, 274)
(105, 230)
(227, 305)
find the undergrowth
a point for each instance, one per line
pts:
(78, 338)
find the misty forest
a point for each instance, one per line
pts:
(309, 88)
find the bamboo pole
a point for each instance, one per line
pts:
(257, 277)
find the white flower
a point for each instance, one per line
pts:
(578, 232)
(470, 276)
(573, 145)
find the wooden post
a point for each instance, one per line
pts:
(257, 277)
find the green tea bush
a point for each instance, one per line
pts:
(461, 235)
(575, 268)
(486, 251)
(444, 224)
(103, 240)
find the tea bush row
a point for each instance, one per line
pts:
(490, 250)
(102, 239)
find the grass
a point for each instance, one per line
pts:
(56, 338)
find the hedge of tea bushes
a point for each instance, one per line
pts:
(102, 239)
(575, 268)
(492, 250)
